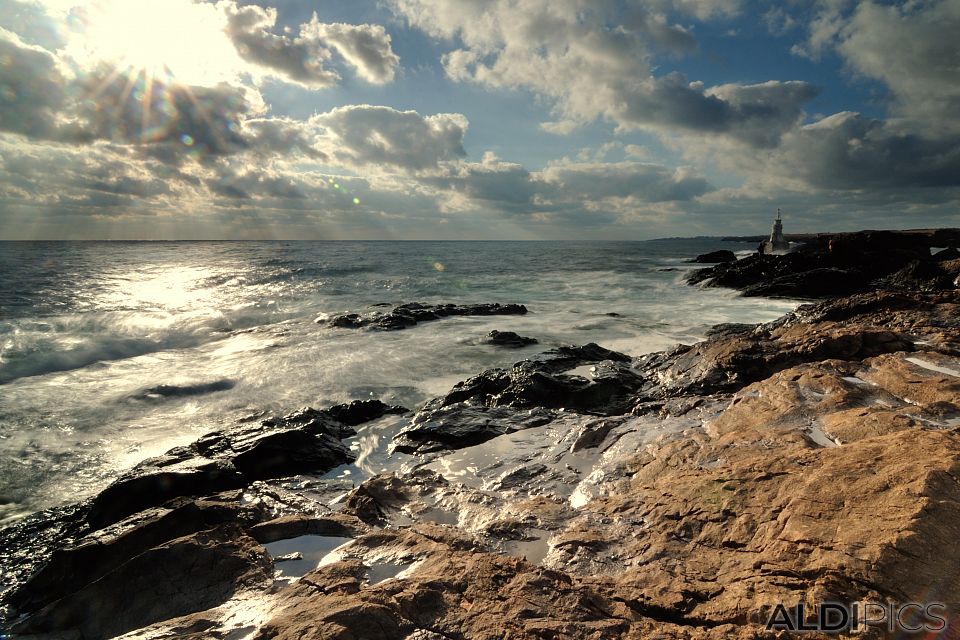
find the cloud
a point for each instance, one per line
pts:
(301, 59)
(756, 114)
(848, 151)
(305, 59)
(365, 46)
(567, 188)
(595, 60)
(31, 88)
(642, 182)
(913, 50)
(363, 135)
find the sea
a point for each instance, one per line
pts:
(113, 352)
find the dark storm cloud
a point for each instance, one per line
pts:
(757, 114)
(501, 186)
(31, 88)
(850, 151)
(253, 183)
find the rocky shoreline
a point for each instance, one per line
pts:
(582, 493)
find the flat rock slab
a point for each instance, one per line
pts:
(408, 315)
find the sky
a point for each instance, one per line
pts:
(475, 119)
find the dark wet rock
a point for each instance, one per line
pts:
(950, 253)
(613, 314)
(544, 381)
(407, 315)
(508, 339)
(164, 391)
(361, 411)
(184, 575)
(306, 441)
(293, 526)
(27, 544)
(593, 433)
(919, 275)
(463, 425)
(828, 266)
(90, 557)
(149, 486)
(714, 257)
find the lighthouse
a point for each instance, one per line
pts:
(777, 243)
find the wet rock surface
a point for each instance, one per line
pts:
(408, 315)
(508, 339)
(581, 493)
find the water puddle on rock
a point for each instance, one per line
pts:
(315, 551)
(820, 437)
(382, 571)
(534, 549)
(584, 371)
(931, 366)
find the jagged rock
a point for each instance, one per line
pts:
(407, 315)
(92, 556)
(184, 575)
(305, 441)
(736, 355)
(509, 339)
(300, 525)
(462, 425)
(361, 411)
(714, 257)
(163, 391)
(950, 253)
(829, 266)
(919, 275)
(545, 382)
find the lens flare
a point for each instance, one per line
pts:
(176, 38)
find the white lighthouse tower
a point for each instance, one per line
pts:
(777, 243)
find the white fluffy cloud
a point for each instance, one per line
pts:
(360, 135)
(594, 59)
(306, 58)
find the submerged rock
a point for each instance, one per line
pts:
(509, 339)
(713, 257)
(407, 315)
(361, 411)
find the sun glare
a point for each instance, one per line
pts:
(179, 38)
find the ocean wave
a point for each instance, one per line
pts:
(66, 343)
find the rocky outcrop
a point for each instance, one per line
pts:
(173, 531)
(838, 265)
(408, 315)
(302, 442)
(181, 576)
